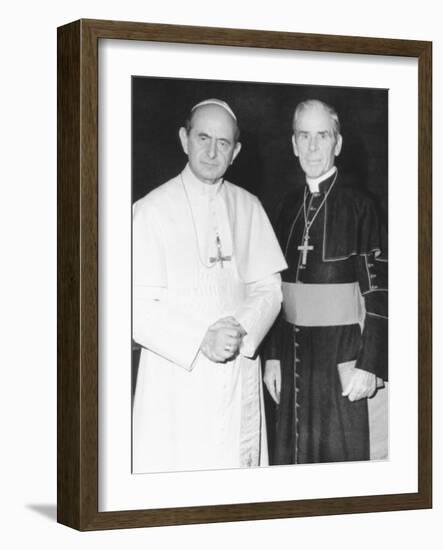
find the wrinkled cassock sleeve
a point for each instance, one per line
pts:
(373, 281)
(158, 325)
(272, 346)
(258, 311)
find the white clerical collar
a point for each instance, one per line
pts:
(314, 183)
(200, 187)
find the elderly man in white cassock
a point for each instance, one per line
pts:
(206, 290)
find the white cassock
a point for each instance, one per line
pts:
(189, 412)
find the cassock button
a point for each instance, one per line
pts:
(297, 360)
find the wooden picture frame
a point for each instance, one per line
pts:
(77, 457)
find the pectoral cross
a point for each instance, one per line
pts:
(305, 248)
(219, 258)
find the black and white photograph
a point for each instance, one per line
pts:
(259, 274)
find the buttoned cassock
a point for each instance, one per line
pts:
(189, 412)
(335, 317)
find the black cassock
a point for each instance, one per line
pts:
(324, 289)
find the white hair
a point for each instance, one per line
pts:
(316, 103)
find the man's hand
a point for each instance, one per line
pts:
(362, 384)
(232, 322)
(223, 340)
(272, 378)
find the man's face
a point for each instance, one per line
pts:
(314, 142)
(210, 144)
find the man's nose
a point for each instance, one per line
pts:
(313, 144)
(212, 149)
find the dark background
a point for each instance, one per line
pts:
(266, 165)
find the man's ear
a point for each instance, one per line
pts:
(338, 145)
(294, 145)
(237, 149)
(183, 135)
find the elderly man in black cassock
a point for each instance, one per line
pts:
(328, 352)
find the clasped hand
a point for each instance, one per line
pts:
(223, 340)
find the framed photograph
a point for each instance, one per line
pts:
(226, 202)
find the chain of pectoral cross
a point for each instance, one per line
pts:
(305, 247)
(213, 260)
(219, 258)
